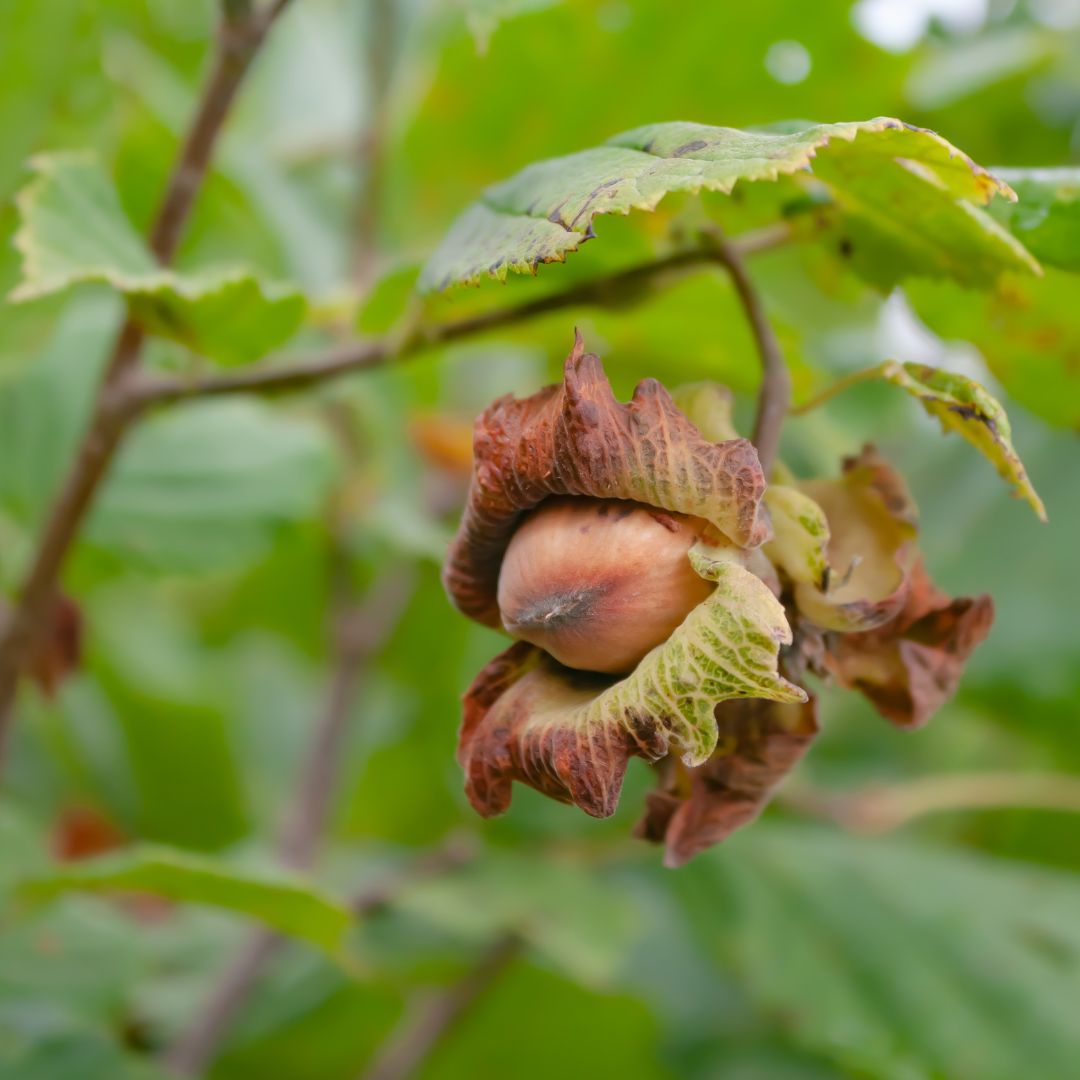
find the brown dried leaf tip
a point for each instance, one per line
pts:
(636, 563)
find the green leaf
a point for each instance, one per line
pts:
(1046, 217)
(905, 221)
(898, 960)
(36, 53)
(883, 169)
(286, 902)
(73, 230)
(963, 406)
(209, 485)
(726, 648)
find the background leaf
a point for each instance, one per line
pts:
(1046, 219)
(872, 971)
(210, 484)
(74, 231)
(289, 904)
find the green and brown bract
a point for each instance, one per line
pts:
(830, 583)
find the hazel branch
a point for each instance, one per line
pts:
(359, 628)
(774, 397)
(426, 1028)
(197, 1046)
(620, 288)
(240, 34)
(838, 387)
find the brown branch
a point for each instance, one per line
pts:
(198, 1044)
(425, 1028)
(359, 628)
(621, 288)
(238, 41)
(774, 397)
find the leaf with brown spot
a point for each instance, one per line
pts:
(911, 666)
(963, 406)
(759, 743)
(570, 734)
(871, 522)
(917, 194)
(576, 439)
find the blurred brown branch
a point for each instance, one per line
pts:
(621, 288)
(359, 628)
(427, 1025)
(240, 33)
(196, 1047)
(774, 396)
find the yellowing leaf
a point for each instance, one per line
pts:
(800, 543)
(871, 522)
(963, 406)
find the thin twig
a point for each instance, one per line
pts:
(238, 41)
(774, 397)
(621, 288)
(198, 1045)
(879, 808)
(359, 629)
(425, 1028)
(838, 387)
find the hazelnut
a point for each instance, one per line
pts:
(598, 583)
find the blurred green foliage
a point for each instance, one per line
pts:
(204, 574)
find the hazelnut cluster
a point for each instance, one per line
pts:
(665, 603)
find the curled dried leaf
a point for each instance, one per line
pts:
(871, 518)
(911, 666)
(576, 439)
(759, 743)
